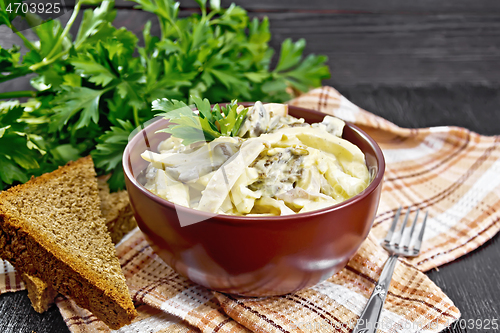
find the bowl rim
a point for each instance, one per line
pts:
(376, 181)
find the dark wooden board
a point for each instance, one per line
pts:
(386, 48)
(396, 6)
(471, 281)
(418, 64)
(389, 49)
(473, 106)
(17, 316)
(398, 49)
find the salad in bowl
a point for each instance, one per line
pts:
(253, 199)
(268, 163)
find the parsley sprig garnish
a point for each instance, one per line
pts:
(206, 125)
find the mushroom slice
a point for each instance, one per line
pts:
(226, 176)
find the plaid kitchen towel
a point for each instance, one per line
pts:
(167, 302)
(451, 172)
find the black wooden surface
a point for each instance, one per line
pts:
(367, 6)
(416, 63)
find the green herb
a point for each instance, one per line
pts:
(19, 150)
(91, 90)
(209, 124)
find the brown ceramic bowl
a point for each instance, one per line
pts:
(254, 256)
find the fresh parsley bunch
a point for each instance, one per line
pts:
(92, 89)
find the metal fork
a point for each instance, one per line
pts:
(398, 244)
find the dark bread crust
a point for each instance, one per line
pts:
(23, 242)
(40, 293)
(116, 209)
(27, 256)
(120, 220)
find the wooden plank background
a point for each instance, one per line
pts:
(409, 50)
(397, 6)
(416, 63)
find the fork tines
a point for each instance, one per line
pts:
(400, 242)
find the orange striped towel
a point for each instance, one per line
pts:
(167, 302)
(449, 171)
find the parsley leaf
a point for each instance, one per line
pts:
(186, 124)
(231, 122)
(90, 67)
(7, 16)
(72, 100)
(19, 151)
(10, 64)
(296, 72)
(207, 125)
(94, 21)
(108, 152)
(110, 146)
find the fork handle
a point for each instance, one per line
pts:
(368, 321)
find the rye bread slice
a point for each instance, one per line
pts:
(40, 293)
(52, 228)
(117, 212)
